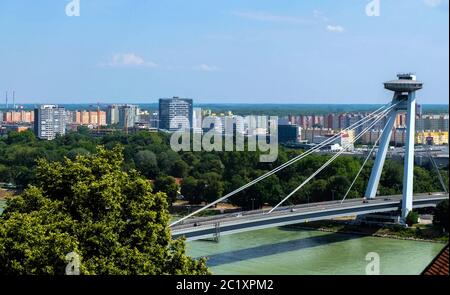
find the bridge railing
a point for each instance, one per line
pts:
(206, 219)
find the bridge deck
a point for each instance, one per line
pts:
(204, 227)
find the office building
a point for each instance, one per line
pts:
(154, 119)
(174, 112)
(288, 133)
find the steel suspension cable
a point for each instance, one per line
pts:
(288, 163)
(433, 162)
(362, 166)
(331, 159)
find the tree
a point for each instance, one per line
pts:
(189, 190)
(391, 182)
(20, 137)
(164, 162)
(267, 191)
(89, 206)
(412, 218)
(73, 153)
(319, 190)
(211, 163)
(180, 169)
(167, 185)
(441, 215)
(5, 174)
(338, 186)
(210, 187)
(146, 163)
(423, 180)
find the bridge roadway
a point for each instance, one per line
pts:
(207, 227)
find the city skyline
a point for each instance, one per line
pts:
(227, 52)
(212, 139)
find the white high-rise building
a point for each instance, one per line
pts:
(128, 116)
(112, 114)
(49, 121)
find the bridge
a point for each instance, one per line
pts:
(404, 101)
(224, 224)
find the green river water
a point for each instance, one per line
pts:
(2, 204)
(291, 251)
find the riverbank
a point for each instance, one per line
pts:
(425, 233)
(6, 194)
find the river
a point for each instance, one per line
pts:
(282, 250)
(277, 251)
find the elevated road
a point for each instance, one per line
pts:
(207, 227)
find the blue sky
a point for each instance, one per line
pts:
(219, 51)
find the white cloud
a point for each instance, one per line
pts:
(335, 29)
(318, 14)
(130, 60)
(267, 17)
(206, 68)
(433, 3)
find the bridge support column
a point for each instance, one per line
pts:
(375, 175)
(408, 174)
(216, 236)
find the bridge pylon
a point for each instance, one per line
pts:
(404, 88)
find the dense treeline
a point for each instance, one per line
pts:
(88, 216)
(208, 175)
(282, 110)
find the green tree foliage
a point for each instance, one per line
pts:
(189, 190)
(441, 215)
(151, 155)
(412, 218)
(268, 191)
(423, 180)
(90, 206)
(180, 169)
(20, 137)
(210, 187)
(391, 179)
(146, 163)
(167, 185)
(73, 153)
